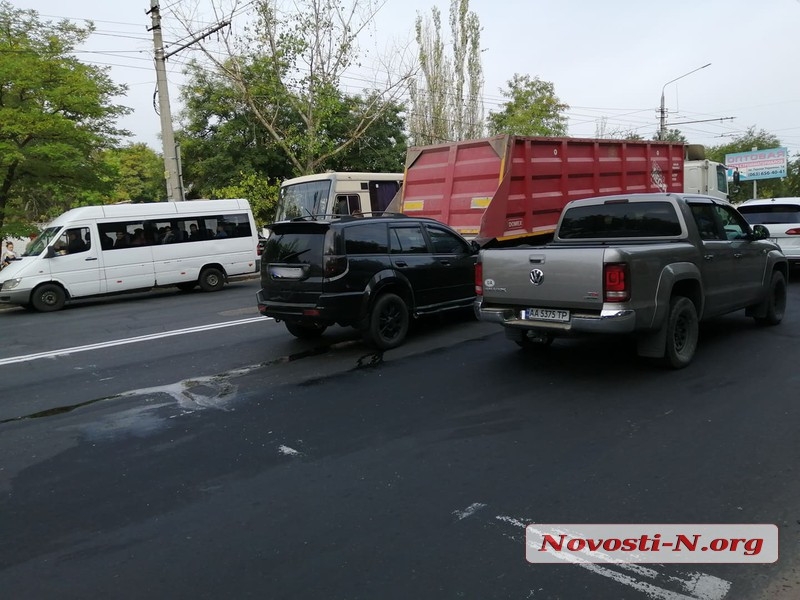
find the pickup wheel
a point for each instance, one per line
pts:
(305, 331)
(387, 323)
(682, 332)
(775, 301)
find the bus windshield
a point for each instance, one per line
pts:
(303, 199)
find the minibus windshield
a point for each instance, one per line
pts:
(36, 246)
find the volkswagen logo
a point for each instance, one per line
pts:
(536, 277)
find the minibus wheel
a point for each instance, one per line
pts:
(48, 297)
(211, 279)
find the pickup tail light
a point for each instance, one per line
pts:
(616, 282)
(793, 231)
(479, 279)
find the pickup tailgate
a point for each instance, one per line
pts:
(563, 277)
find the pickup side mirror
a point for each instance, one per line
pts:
(760, 232)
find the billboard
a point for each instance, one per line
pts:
(758, 164)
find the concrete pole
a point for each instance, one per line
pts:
(171, 175)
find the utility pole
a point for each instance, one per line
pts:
(171, 175)
(172, 165)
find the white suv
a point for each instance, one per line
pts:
(782, 217)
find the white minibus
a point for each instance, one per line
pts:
(99, 250)
(337, 193)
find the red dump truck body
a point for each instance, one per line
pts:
(507, 187)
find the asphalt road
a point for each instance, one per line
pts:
(239, 462)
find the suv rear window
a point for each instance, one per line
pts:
(766, 214)
(295, 247)
(620, 220)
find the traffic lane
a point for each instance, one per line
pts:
(408, 477)
(57, 383)
(99, 319)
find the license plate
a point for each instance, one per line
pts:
(286, 272)
(546, 314)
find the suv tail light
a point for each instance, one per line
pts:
(335, 266)
(793, 231)
(479, 279)
(616, 283)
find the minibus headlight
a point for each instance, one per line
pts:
(10, 284)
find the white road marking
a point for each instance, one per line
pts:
(699, 585)
(469, 511)
(289, 451)
(133, 340)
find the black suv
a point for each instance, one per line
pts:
(372, 273)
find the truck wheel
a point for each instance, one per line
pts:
(305, 331)
(211, 279)
(775, 301)
(48, 297)
(682, 332)
(387, 324)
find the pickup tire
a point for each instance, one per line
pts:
(683, 329)
(305, 331)
(775, 302)
(387, 323)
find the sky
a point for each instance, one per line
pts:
(609, 61)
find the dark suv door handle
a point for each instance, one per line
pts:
(401, 263)
(446, 263)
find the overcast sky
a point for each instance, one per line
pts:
(607, 60)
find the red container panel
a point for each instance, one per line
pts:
(508, 186)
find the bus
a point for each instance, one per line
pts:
(337, 193)
(101, 250)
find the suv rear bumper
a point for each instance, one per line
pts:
(327, 309)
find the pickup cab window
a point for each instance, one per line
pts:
(620, 220)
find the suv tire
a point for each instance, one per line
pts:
(387, 324)
(305, 331)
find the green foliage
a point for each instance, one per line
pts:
(262, 194)
(138, 174)
(224, 136)
(446, 97)
(55, 116)
(285, 83)
(672, 135)
(532, 109)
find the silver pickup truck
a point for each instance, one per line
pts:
(652, 265)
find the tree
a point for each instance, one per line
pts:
(222, 138)
(56, 115)
(139, 174)
(532, 109)
(672, 135)
(287, 68)
(446, 102)
(262, 194)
